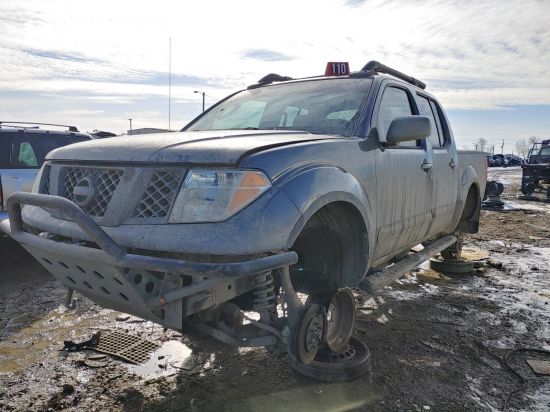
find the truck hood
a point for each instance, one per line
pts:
(219, 147)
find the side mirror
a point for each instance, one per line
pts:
(407, 128)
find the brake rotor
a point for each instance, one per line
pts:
(308, 335)
(340, 320)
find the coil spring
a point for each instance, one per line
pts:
(264, 293)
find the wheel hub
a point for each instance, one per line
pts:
(314, 334)
(308, 334)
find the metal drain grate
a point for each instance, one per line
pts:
(128, 347)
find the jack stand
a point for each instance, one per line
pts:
(70, 302)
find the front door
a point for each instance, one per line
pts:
(404, 190)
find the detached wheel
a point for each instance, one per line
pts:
(452, 266)
(329, 366)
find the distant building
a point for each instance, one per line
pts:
(148, 130)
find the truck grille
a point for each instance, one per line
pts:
(46, 180)
(106, 181)
(159, 195)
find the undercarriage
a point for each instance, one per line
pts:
(250, 302)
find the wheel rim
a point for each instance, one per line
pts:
(309, 335)
(329, 366)
(340, 320)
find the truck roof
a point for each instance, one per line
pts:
(372, 68)
(34, 128)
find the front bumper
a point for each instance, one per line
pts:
(109, 275)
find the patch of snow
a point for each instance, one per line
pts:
(382, 319)
(541, 399)
(477, 395)
(526, 205)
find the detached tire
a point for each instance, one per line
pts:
(329, 366)
(456, 266)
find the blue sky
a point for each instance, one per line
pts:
(96, 64)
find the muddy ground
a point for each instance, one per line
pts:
(437, 342)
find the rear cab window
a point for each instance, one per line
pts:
(28, 150)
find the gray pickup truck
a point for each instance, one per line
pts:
(255, 221)
(23, 147)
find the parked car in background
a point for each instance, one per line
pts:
(492, 161)
(501, 160)
(496, 160)
(513, 160)
(23, 147)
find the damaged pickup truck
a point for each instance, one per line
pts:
(254, 222)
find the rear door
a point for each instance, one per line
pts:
(444, 165)
(403, 188)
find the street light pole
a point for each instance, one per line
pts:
(203, 93)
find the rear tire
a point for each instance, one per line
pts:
(329, 366)
(455, 266)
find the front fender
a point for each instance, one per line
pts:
(313, 187)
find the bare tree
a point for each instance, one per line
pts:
(481, 144)
(522, 147)
(533, 140)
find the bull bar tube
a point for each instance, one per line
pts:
(110, 252)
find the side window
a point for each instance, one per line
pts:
(425, 109)
(27, 157)
(6, 145)
(444, 134)
(395, 103)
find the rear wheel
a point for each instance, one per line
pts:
(452, 266)
(329, 366)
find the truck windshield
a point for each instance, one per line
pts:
(327, 106)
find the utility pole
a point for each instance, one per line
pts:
(130, 126)
(169, 80)
(203, 93)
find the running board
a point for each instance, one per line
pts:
(393, 272)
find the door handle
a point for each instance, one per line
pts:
(453, 163)
(426, 165)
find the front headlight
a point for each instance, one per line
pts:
(215, 195)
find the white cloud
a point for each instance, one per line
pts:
(483, 54)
